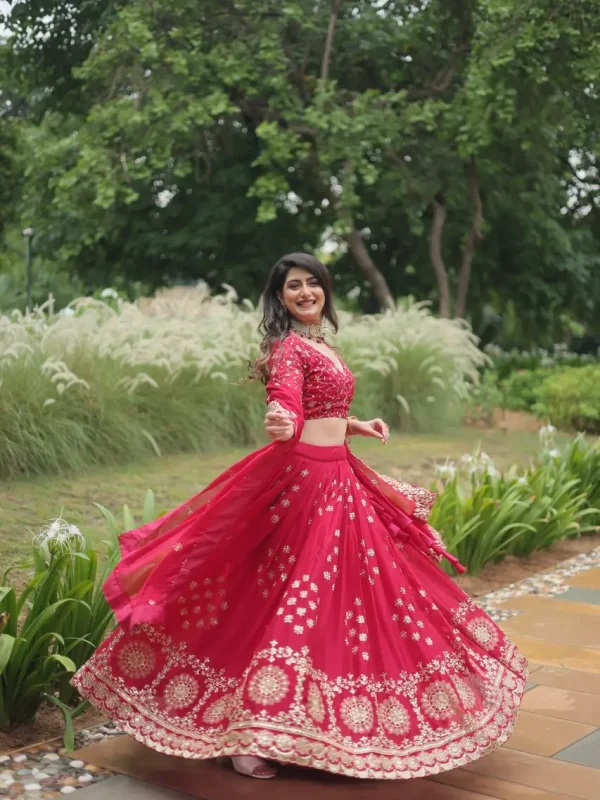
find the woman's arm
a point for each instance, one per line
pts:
(375, 428)
(284, 418)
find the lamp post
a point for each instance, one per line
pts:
(28, 233)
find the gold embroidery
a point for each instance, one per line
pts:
(484, 632)
(290, 735)
(315, 705)
(422, 498)
(219, 710)
(136, 659)
(394, 717)
(357, 713)
(275, 406)
(181, 691)
(465, 692)
(268, 685)
(439, 700)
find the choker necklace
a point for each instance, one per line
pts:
(314, 332)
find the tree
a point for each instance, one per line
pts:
(409, 130)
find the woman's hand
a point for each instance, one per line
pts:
(279, 427)
(375, 428)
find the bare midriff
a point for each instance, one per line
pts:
(327, 432)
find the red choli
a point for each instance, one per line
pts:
(307, 384)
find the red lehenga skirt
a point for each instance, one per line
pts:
(296, 610)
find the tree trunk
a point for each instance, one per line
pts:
(374, 276)
(473, 239)
(437, 259)
(335, 7)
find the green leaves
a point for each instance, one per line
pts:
(57, 621)
(6, 647)
(225, 107)
(485, 516)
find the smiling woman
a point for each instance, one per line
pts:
(297, 298)
(231, 638)
(303, 296)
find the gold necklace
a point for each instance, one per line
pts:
(314, 332)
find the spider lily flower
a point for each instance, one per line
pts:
(60, 535)
(546, 434)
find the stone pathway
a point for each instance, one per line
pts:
(554, 753)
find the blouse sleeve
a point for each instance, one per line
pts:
(286, 380)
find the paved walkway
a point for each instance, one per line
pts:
(554, 753)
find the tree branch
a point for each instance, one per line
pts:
(335, 7)
(259, 111)
(473, 239)
(363, 258)
(443, 80)
(437, 259)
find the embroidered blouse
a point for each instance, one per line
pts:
(305, 383)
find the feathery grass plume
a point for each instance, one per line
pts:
(112, 382)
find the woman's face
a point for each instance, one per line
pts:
(303, 296)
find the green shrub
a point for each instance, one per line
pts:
(485, 399)
(521, 391)
(583, 462)
(571, 398)
(51, 626)
(484, 515)
(412, 369)
(505, 362)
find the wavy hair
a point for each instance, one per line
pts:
(276, 318)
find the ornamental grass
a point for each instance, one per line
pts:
(109, 382)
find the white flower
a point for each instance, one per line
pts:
(60, 535)
(554, 453)
(478, 464)
(112, 293)
(68, 312)
(446, 472)
(546, 434)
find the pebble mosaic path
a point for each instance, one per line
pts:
(554, 753)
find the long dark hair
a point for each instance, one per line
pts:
(276, 318)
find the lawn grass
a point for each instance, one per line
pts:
(28, 504)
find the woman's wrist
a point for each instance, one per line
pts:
(349, 429)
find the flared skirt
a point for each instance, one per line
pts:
(333, 643)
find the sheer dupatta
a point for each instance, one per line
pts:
(153, 563)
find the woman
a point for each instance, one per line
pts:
(295, 609)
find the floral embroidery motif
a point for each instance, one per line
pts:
(136, 659)
(357, 714)
(422, 498)
(276, 406)
(268, 686)
(219, 710)
(518, 662)
(439, 700)
(420, 751)
(484, 632)
(181, 691)
(465, 692)
(394, 717)
(315, 705)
